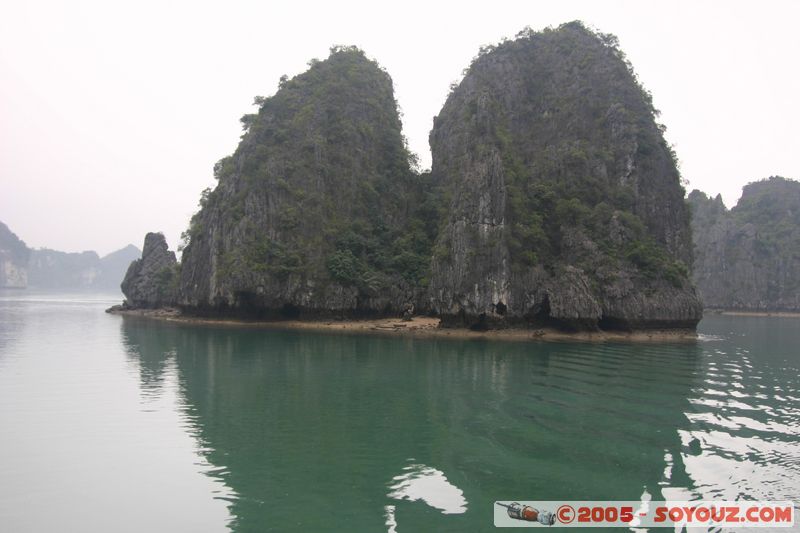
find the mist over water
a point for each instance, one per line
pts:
(125, 424)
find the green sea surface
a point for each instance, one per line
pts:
(111, 423)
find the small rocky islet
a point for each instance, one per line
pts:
(553, 201)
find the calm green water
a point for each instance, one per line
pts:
(122, 424)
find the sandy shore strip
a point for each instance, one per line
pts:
(782, 314)
(420, 326)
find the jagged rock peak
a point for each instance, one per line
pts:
(565, 202)
(151, 281)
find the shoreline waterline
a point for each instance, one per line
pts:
(780, 314)
(419, 327)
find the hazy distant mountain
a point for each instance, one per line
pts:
(51, 269)
(13, 260)
(748, 258)
(21, 267)
(114, 265)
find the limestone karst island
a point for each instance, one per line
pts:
(553, 201)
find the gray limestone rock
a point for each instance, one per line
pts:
(565, 203)
(152, 280)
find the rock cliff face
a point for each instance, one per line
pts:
(152, 280)
(13, 260)
(317, 211)
(564, 203)
(748, 258)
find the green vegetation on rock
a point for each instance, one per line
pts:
(319, 208)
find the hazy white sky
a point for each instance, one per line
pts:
(112, 114)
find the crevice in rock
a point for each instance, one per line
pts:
(540, 313)
(607, 323)
(481, 324)
(290, 311)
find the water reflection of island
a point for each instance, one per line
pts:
(315, 432)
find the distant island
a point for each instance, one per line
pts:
(747, 259)
(553, 201)
(22, 267)
(13, 260)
